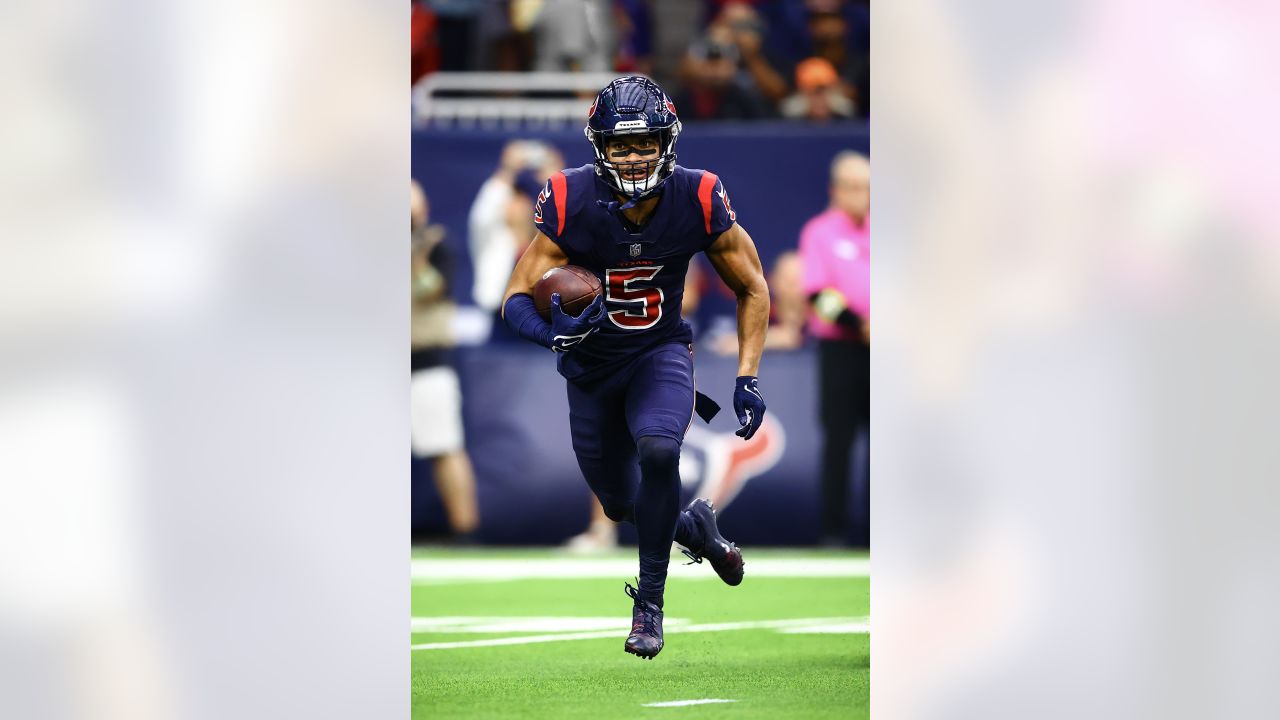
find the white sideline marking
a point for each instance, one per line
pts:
(682, 703)
(605, 634)
(429, 571)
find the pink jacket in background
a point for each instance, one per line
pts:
(837, 254)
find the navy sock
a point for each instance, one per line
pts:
(689, 532)
(657, 509)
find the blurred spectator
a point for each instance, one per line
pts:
(836, 249)
(788, 310)
(836, 30)
(677, 23)
(829, 33)
(790, 306)
(572, 35)
(634, 22)
(600, 536)
(529, 182)
(500, 222)
(726, 74)
(749, 36)
(712, 8)
(819, 96)
(458, 25)
(505, 37)
(695, 283)
(435, 396)
(425, 47)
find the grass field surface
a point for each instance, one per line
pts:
(538, 634)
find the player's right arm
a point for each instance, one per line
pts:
(541, 255)
(564, 331)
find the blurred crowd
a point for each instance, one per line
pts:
(719, 59)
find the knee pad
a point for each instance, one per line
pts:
(658, 453)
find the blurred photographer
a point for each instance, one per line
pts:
(500, 225)
(434, 391)
(726, 74)
(820, 96)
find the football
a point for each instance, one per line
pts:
(577, 286)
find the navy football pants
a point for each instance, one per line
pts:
(627, 430)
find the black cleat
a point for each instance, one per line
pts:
(645, 639)
(725, 557)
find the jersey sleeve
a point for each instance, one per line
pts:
(549, 207)
(717, 210)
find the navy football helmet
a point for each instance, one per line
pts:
(636, 106)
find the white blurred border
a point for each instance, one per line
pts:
(1073, 378)
(204, 496)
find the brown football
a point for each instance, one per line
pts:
(577, 286)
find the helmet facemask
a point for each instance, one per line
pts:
(658, 166)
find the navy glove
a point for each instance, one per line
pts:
(749, 405)
(567, 330)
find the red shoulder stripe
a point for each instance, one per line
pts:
(704, 196)
(560, 192)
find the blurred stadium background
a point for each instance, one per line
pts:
(769, 92)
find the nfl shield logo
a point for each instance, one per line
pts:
(635, 249)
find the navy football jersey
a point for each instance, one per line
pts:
(642, 273)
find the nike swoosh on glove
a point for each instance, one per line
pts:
(567, 330)
(749, 405)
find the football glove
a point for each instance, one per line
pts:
(567, 330)
(748, 404)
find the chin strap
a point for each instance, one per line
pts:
(613, 206)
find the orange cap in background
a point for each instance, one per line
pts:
(815, 73)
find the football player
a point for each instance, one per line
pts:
(636, 219)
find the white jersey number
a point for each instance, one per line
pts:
(621, 287)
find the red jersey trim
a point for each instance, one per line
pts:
(705, 187)
(559, 191)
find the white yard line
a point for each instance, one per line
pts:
(522, 640)
(852, 628)
(432, 571)
(604, 634)
(682, 703)
(512, 624)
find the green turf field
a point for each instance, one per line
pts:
(791, 641)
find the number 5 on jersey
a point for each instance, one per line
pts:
(646, 302)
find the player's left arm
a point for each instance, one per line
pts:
(735, 259)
